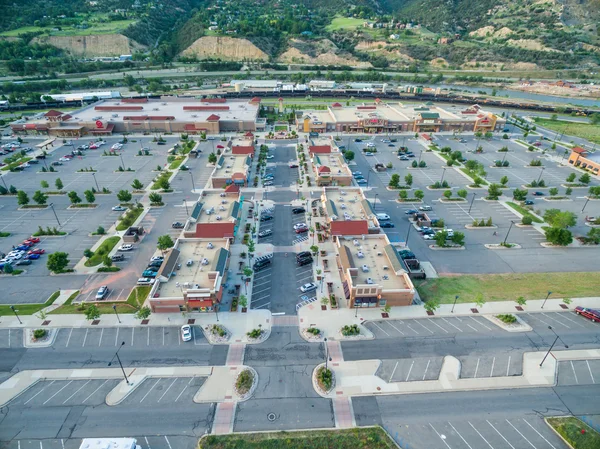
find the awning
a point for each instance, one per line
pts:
(194, 303)
(198, 295)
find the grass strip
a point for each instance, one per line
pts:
(525, 212)
(28, 309)
(134, 301)
(577, 433)
(584, 130)
(103, 250)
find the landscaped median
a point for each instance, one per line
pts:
(102, 251)
(29, 309)
(134, 302)
(358, 438)
(575, 432)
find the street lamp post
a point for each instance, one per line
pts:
(116, 313)
(193, 185)
(122, 163)
(55, 216)
(547, 296)
(326, 353)
(471, 205)
(375, 201)
(552, 345)
(217, 308)
(586, 201)
(408, 233)
(15, 312)
(355, 309)
(508, 232)
(504, 158)
(120, 364)
(187, 212)
(96, 181)
(455, 299)
(368, 176)
(541, 173)
(443, 173)
(420, 155)
(4, 182)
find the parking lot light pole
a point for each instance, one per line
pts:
(217, 311)
(541, 173)
(15, 312)
(120, 364)
(55, 216)
(552, 345)
(96, 181)
(508, 232)
(455, 299)
(471, 205)
(586, 201)
(4, 182)
(187, 212)
(355, 309)
(193, 185)
(122, 163)
(544, 303)
(408, 233)
(420, 155)
(326, 353)
(116, 313)
(375, 201)
(443, 173)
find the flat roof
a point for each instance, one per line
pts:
(204, 255)
(228, 164)
(391, 112)
(595, 156)
(334, 161)
(373, 264)
(217, 208)
(238, 110)
(347, 204)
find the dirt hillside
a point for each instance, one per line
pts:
(94, 45)
(321, 52)
(225, 48)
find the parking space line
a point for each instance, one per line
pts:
(433, 322)
(443, 439)
(476, 368)
(64, 386)
(150, 390)
(85, 337)
(9, 338)
(262, 297)
(77, 391)
(574, 373)
(507, 442)
(487, 442)
(117, 337)
(31, 398)
(564, 315)
(517, 430)
(409, 370)
(426, 368)
(488, 328)
(147, 443)
(467, 324)
(493, 363)
(148, 339)
(301, 280)
(393, 371)
(101, 334)
(168, 388)
(590, 370)
(69, 339)
(395, 327)
(132, 333)
(508, 366)
(94, 391)
(263, 290)
(424, 327)
(167, 440)
(545, 322)
(558, 321)
(263, 305)
(458, 328)
(536, 431)
(379, 327)
(458, 433)
(185, 388)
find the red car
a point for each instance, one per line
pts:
(37, 251)
(93, 146)
(34, 239)
(28, 243)
(592, 314)
(301, 230)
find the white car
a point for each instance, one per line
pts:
(308, 287)
(126, 247)
(186, 332)
(270, 156)
(145, 281)
(15, 256)
(119, 208)
(425, 208)
(300, 225)
(116, 146)
(64, 159)
(102, 292)
(429, 237)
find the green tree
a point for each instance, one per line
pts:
(594, 191)
(504, 180)
(92, 313)
(349, 155)
(165, 242)
(137, 185)
(568, 191)
(593, 236)
(462, 193)
(571, 177)
(585, 178)
(448, 194)
(59, 184)
(394, 181)
(164, 184)
(57, 261)
(212, 158)
(458, 238)
(89, 196)
(440, 238)
(12, 189)
(431, 305)
(40, 197)
(408, 179)
(155, 198)
(521, 301)
(553, 191)
(143, 313)
(124, 196)
(88, 253)
(100, 230)
(74, 197)
(479, 300)
(520, 195)
(22, 198)
(403, 194)
(494, 191)
(107, 261)
(560, 219)
(419, 194)
(559, 236)
(595, 119)
(44, 184)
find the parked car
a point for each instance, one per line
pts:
(37, 251)
(56, 163)
(592, 314)
(368, 153)
(102, 292)
(186, 332)
(177, 225)
(32, 256)
(265, 233)
(117, 257)
(270, 156)
(538, 193)
(119, 208)
(293, 165)
(268, 183)
(161, 258)
(387, 224)
(361, 181)
(145, 281)
(354, 173)
(300, 225)
(429, 236)
(308, 287)
(403, 158)
(34, 239)
(301, 230)
(358, 140)
(305, 261)
(24, 262)
(23, 247)
(260, 264)
(382, 217)
(266, 217)
(391, 145)
(126, 247)
(302, 254)
(154, 264)
(359, 177)
(149, 274)
(298, 210)
(425, 208)
(528, 202)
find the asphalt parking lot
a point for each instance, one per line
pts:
(430, 326)
(54, 393)
(278, 166)
(578, 372)
(165, 390)
(410, 370)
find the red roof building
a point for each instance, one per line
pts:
(242, 149)
(232, 188)
(214, 100)
(206, 108)
(336, 105)
(134, 100)
(578, 150)
(324, 169)
(215, 230)
(351, 227)
(213, 118)
(53, 113)
(312, 149)
(119, 108)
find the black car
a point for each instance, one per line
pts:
(155, 264)
(177, 225)
(407, 254)
(24, 262)
(261, 264)
(298, 210)
(304, 261)
(266, 217)
(303, 255)
(386, 224)
(161, 142)
(358, 140)
(528, 203)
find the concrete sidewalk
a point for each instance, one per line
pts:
(236, 322)
(62, 298)
(331, 321)
(359, 379)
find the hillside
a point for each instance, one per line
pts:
(225, 48)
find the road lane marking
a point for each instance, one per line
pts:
(148, 339)
(85, 337)
(458, 433)
(31, 398)
(64, 386)
(544, 438)
(517, 430)
(426, 368)
(574, 373)
(77, 391)
(409, 370)
(590, 370)
(132, 332)
(507, 442)
(168, 388)
(150, 390)
(184, 388)
(393, 371)
(443, 439)
(101, 334)
(69, 339)
(94, 391)
(117, 337)
(508, 366)
(476, 368)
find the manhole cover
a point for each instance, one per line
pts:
(45, 323)
(145, 321)
(95, 322)
(271, 417)
(191, 321)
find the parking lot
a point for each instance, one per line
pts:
(430, 326)
(164, 390)
(578, 372)
(278, 165)
(149, 442)
(55, 393)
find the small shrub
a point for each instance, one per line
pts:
(350, 330)
(526, 220)
(39, 333)
(313, 330)
(507, 318)
(255, 333)
(244, 381)
(325, 377)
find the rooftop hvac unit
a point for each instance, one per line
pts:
(385, 267)
(205, 261)
(355, 242)
(361, 255)
(210, 245)
(365, 269)
(385, 277)
(369, 281)
(219, 218)
(155, 109)
(221, 195)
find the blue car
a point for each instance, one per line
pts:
(23, 248)
(149, 274)
(361, 181)
(32, 256)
